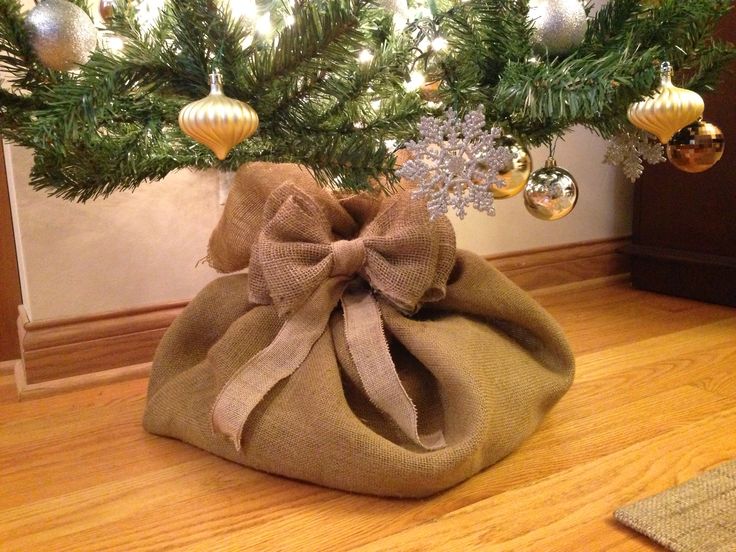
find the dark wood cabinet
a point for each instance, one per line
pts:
(684, 235)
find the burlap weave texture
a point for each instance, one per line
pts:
(482, 364)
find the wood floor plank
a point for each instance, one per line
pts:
(653, 404)
(8, 392)
(616, 315)
(556, 508)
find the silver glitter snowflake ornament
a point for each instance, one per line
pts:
(628, 149)
(455, 163)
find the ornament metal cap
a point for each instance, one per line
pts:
(666, 70)
(550, 163)
(215, 82)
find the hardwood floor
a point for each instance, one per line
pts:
(653, 404)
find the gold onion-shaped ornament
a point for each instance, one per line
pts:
(218, 122)
(668, 110)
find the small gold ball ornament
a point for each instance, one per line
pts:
(516, 172)
(697, 147)
(668, 110)
(107, 9)
(218, 122)
(551, 192)
(62, 35)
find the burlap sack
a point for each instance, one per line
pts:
(479, 362)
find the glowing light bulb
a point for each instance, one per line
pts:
(147, 13)
(439, 43)
(114, 43)
(246, 9)
(376, 105)
(289, 20)
(415, 82)
(263, 25)
(365, 56)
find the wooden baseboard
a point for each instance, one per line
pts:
(90, 350)
(56, 349)
(28, 391)
(555, 266)
(7, 366)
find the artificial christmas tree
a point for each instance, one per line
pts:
(336, 84)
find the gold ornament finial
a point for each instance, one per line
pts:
(668, 110)
(218, 122)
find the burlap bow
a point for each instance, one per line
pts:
(313, 252)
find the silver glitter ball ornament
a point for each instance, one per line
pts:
(62, 35)
(551, 192)
(559, 25)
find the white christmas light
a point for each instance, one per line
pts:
(439, 43)
(244, 9)
(113, 42)
(289, 20)
(365, 56)
(147, 13)
(263, 25)
(415, 82)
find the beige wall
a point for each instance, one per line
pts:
(130, 250)
(141, 248)
(603, 209)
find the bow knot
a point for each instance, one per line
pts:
(303, 261)
(348, 257)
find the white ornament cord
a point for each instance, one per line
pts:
(224, 183)
(456, 163)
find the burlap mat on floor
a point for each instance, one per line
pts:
(699, 515)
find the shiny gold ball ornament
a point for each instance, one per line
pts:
(107, 9)
(516, 173)
(62, 35)
(697, 147)
(218, 122)
(668, 110)
(559, 25)
(551, 192)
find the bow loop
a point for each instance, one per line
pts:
(409, 257)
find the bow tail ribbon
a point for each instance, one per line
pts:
(287, 352)
(369, 351)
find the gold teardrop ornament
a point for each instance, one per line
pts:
(218, 122)
(668, 110)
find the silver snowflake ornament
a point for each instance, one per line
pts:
(628, 149)
(455, 163)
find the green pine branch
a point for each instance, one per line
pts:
(113, 124)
